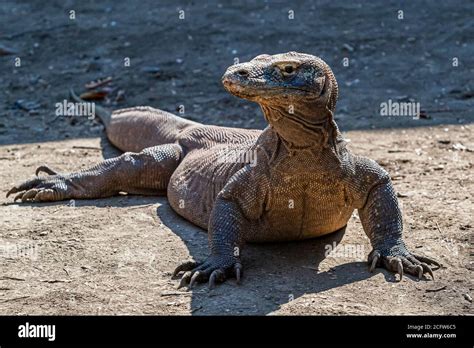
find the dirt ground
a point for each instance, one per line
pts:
(115, 256)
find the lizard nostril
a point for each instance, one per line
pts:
(243, 72)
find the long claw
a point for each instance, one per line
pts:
(193, 279)
(185, 279)
(18, 196)
(403, 262)
(27, 185)
(218, 275)
(420, 271)
(29, 194)
(212, 279)
(375, 259)
(13, 190)
(427, 268)
(45, 169)
(400, 269)
(214, 269)
(187, 266)
(238, 271)
(427, 260)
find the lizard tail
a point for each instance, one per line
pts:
(104, 115)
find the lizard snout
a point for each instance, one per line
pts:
(234, 79)
(235, 76)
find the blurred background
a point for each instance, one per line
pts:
(171, 55)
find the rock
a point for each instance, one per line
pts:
(437, 288)
(4, 50)
(459, 147)
(402, 195)
(26, 105)
(348, 47)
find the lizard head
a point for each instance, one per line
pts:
(297, 92)
(283, 80)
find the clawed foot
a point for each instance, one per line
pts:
(216, 269)
(42, 189)
(401, 261)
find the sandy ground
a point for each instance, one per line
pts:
(115, 256)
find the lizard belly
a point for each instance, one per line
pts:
(197, 181)
(304, 207)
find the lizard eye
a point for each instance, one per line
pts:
(287, 69)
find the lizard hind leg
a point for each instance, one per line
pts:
(147, 173)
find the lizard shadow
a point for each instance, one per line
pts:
(108, 149)
(115, 201)
(274, 273)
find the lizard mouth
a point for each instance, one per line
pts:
(255, 89)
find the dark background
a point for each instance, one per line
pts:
(389, 58)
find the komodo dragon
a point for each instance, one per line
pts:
(302, 181)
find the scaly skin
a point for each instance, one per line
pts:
(298, 180)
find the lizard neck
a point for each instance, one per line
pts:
(303, 127)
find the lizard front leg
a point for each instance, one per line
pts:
(382, 222)
(146, 172)
(226, 229)
(236, 209)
